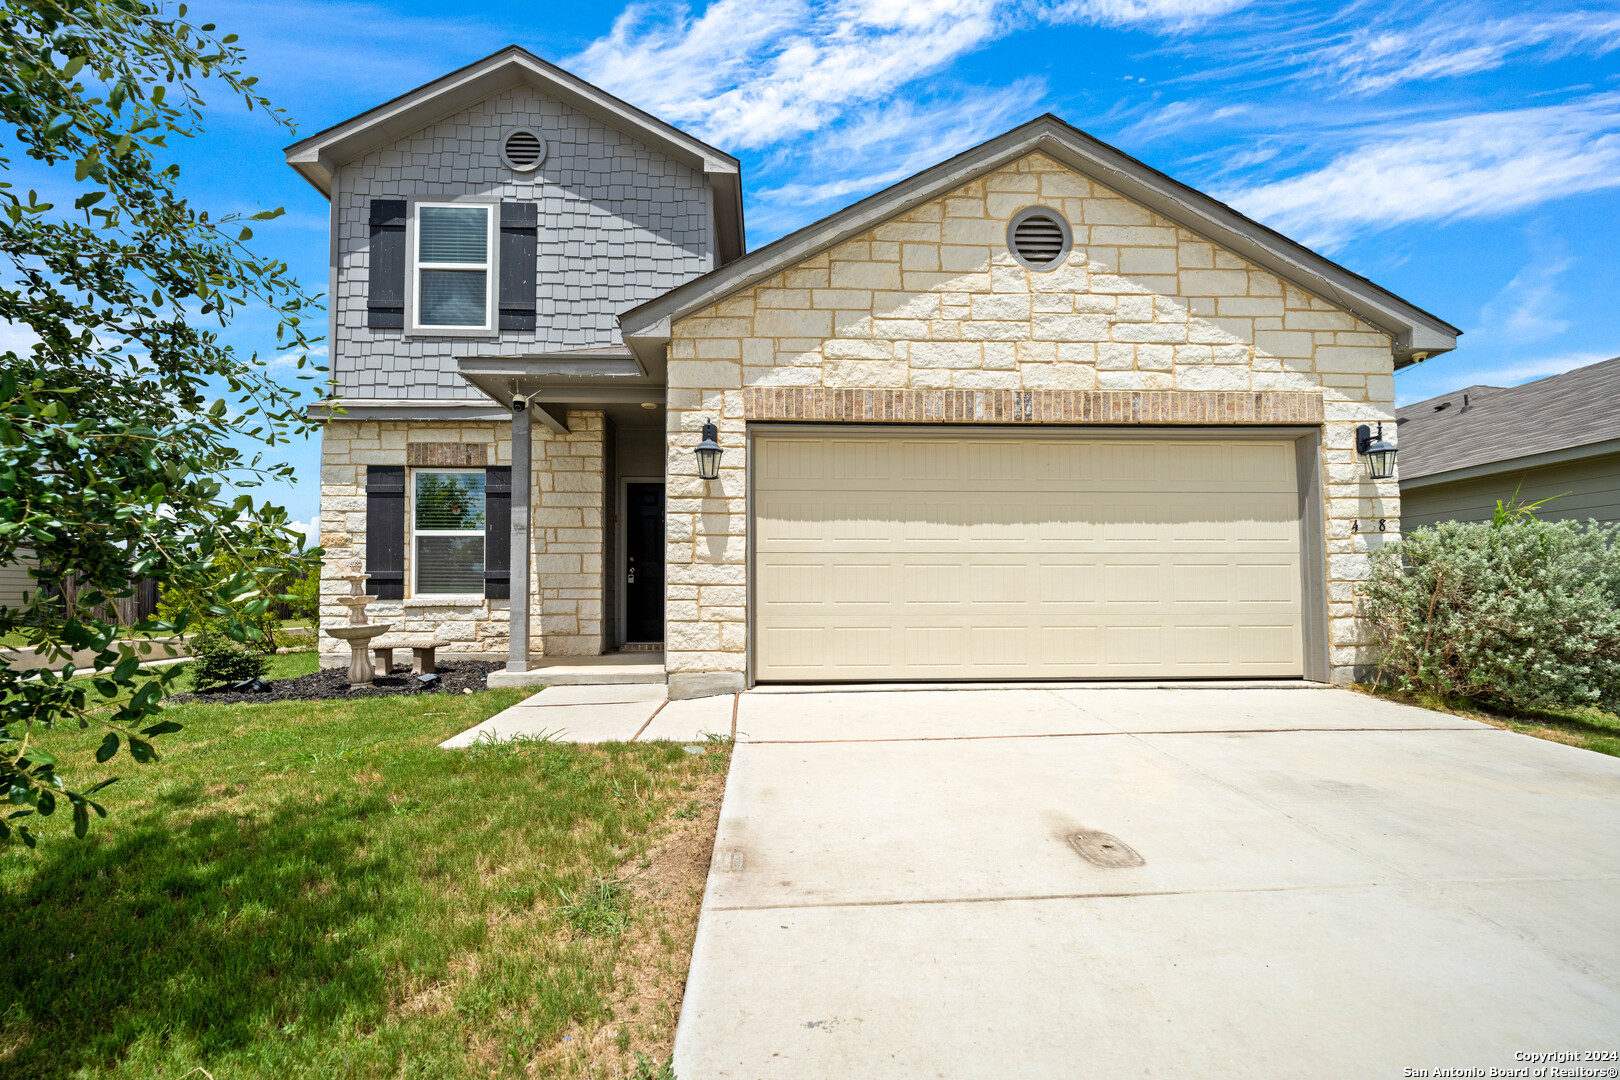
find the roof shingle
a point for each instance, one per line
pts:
(1478, 425)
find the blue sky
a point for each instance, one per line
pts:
(1463, 155)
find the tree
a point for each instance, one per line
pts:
(114, 462)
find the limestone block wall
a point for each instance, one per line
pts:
(932, 300)
(568, 489)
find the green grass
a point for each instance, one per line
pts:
(315, 889)
(1589, 728)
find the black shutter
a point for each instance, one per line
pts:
(498, 532)
(385, 295)
(385, 531)
(520, 247)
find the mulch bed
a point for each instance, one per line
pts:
(329, 683)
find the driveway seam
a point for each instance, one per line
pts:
(1035, 897)
(1091, 734)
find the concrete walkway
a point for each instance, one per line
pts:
(1332, 886)
(612, 713)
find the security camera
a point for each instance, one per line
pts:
(519, 403)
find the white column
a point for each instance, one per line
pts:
(522, 487)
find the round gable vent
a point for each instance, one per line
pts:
(523, 150)
(1039, 238)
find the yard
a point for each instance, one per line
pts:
(317, 889)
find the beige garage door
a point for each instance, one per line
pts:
(984, 556)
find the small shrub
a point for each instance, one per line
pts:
(1515, 613)
(220, 661)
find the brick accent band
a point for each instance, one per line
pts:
(1034, 406)
(454, 455)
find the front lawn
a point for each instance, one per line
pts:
(315, 889)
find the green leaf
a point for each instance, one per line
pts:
(142, 751)
(127, 667)
(46, 804)
(81, 821)
(73, 67)
(108, 747)
(165, 728)
(245, 234)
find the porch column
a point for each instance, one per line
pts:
(522, 492)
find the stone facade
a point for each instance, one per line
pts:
(933, 301)
(620, 223)
(566, 578)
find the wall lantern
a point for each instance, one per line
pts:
(708, 452)
(1380, 455)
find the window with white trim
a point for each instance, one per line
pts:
(447, 519)
(454, 243)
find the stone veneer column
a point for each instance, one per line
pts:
(568, 520)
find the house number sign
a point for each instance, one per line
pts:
(1383, 525)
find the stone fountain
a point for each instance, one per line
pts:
(359, 632)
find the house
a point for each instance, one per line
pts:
(1036, 412)
(1557, 439)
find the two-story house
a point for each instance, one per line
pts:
(1037, 412)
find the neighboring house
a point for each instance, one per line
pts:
(1039, 411)
(1557, 438)
(15, 582)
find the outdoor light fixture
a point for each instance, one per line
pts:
(708, 452)
(1380, 455)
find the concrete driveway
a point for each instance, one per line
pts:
(1332, 886)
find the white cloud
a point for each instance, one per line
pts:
(1514, 372)
(753, 73)
(1528, 307)
(311, 530)
(1478, 165)
(1460, 41)
(1173, 13)
(288, 361)
(18, 340)
(903, 137)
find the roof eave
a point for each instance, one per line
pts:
(316, 156)
(1413, 330)
(1522, 463)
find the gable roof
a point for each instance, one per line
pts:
(317, 157)
(1484, 425)
(1413, 329)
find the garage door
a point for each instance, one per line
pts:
(984, 556)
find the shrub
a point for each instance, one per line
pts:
(220, 661)
(306, 597)
(1515, 612)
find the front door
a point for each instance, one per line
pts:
(644, 563)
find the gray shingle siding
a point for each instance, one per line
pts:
(620, 223)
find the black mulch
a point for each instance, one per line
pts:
(329, 683)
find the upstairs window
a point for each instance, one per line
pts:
(453, 246)
(448, 520)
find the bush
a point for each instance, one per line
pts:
(306, 597)
(220, 661)
(1515, 613)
